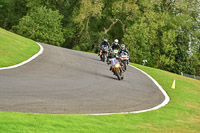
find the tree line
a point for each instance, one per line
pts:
(166, 33)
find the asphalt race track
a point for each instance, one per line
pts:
(63, 81)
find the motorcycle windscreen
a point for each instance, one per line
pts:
(115, 51)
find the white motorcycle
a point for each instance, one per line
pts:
(124, 57)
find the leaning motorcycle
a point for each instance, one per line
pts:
(124, 57)
(103, 53)
(117, 68)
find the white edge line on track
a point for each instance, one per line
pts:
(165, 102)
(26, 61)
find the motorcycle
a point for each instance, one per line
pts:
(103, 53)
(116, 68)
(124, 57)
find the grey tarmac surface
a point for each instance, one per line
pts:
(63, 81)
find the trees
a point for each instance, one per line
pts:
(164, 32)
(163, 35)
(11, 11)
(85, 18)
(43, 25)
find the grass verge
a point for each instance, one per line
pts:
(15, 49)
(182, 114)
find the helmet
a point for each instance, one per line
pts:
(116, 41)
(122, 46)
(105, 40)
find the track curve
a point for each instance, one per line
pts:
(63, 81)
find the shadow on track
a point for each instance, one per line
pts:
(101, 75)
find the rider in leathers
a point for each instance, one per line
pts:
(115, 45)
(104, 43)
(123, 49)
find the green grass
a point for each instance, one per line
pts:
(15, 49)
(181, 115)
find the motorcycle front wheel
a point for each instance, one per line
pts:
(104, 57)
(117, 72)
(124, 65)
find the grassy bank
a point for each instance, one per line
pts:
(15, 49)
(182, 114)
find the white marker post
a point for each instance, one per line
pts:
(144, 61)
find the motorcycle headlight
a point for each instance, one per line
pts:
(117, 65)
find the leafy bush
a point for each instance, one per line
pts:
(42, 24)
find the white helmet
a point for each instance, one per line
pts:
(116, 41)
(105, 40)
